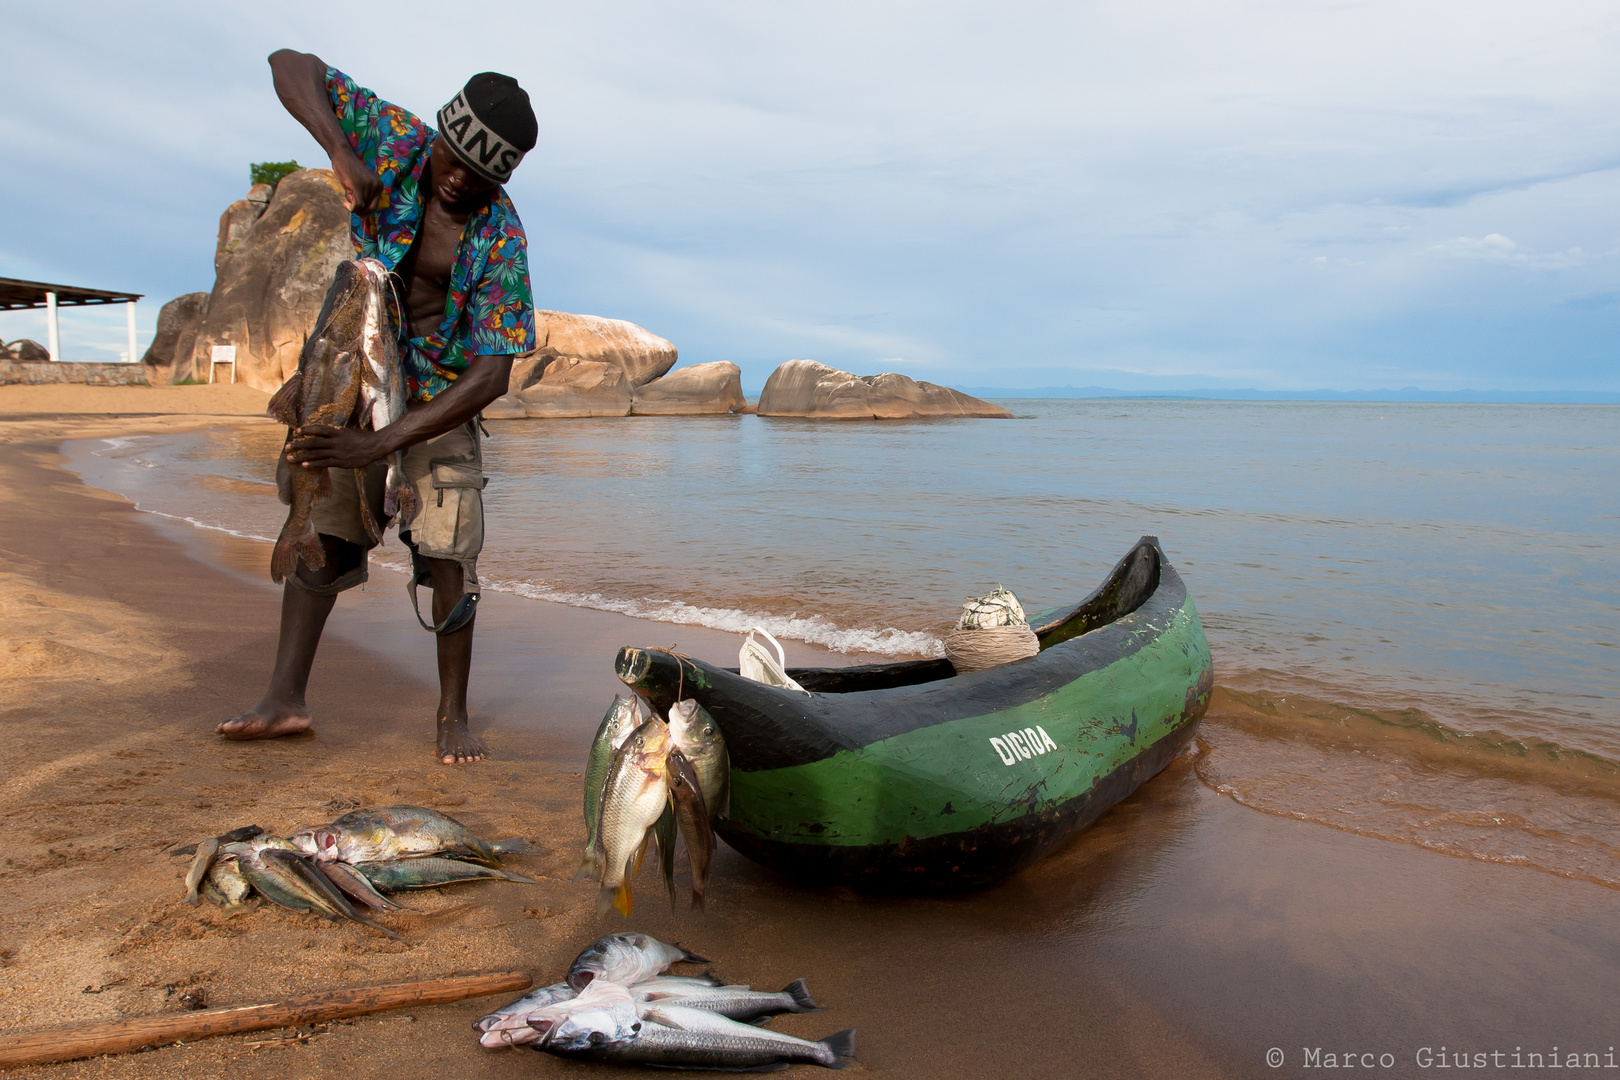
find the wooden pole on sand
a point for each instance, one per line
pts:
(116, 1036)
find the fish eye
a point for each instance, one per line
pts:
(709, 730)
(597, 1038)
(636, 1026)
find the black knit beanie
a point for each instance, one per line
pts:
(490, 125)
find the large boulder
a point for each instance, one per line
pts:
(169, 357)
(25, 351)
(568, 388)
(641, 355)
(271, 284)
(806, 388)
(699, 390)
(237, 221)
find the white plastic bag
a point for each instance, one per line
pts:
(756, 663)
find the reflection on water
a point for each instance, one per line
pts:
(1456, 560)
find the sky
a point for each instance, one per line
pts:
(1148, 195)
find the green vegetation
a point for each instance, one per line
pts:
(270, 172)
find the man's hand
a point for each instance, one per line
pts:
(317, 446)
(361, 188)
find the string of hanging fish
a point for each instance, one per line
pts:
(647, 781)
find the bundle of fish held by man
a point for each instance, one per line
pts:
(647, 780)
(349, 375)
(337, 870)
(617, 1005)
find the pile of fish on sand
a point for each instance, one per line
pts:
(617, 1006)
(337, 870)
(349, 375)
(646, 780)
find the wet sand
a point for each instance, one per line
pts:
(1184, 935)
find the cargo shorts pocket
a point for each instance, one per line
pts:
(451, 525)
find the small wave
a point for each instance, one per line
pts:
(815, 630)
(205, 525)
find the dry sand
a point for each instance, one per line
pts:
(1183, 936)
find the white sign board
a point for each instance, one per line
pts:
(222, 354)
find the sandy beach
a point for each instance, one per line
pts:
(1185, 935)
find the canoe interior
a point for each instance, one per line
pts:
(1133, 579)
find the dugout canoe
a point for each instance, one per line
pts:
(909, 776)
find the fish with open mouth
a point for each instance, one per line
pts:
(626, 958)
(397, 832)
(633, 799)
(349, 374)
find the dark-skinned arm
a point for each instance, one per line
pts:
(300, 81)
(316, 446)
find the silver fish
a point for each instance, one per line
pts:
(603, 1010)
(735, 1002)
(356, 886)
(626, 959)
(696, 735)
(633, 799)
(623, 717)
(226, 885)
(674, 1037)
(429, 872)
(394, 832)
(382, 386)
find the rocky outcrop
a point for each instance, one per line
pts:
(568, 388)
(271, 283)
(699, 390)
(237, 221)
(169, 358)
(641, 355)
(25, 351)
(806, 388)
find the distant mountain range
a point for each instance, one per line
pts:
(1410, 393)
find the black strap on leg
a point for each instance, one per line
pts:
(459, 616)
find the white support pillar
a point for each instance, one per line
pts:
(53, 333)
(129, 307)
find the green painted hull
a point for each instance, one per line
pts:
(954, 781)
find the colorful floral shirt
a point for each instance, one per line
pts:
(488, 309)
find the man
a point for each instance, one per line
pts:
(430, 206)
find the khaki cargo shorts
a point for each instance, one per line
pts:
(447, 472)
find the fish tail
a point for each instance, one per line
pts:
(287, 403)
(802, 1001)
(623, 901)
(842, 1045)
(692, 957)
(519, 878)
(590, 867)
(290, 547)
(618, 899)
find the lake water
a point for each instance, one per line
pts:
(1401, 598)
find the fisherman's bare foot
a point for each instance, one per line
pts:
(267, 720)
(457, 745)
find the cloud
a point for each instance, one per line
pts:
(1496, 248)
(1223, 189)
